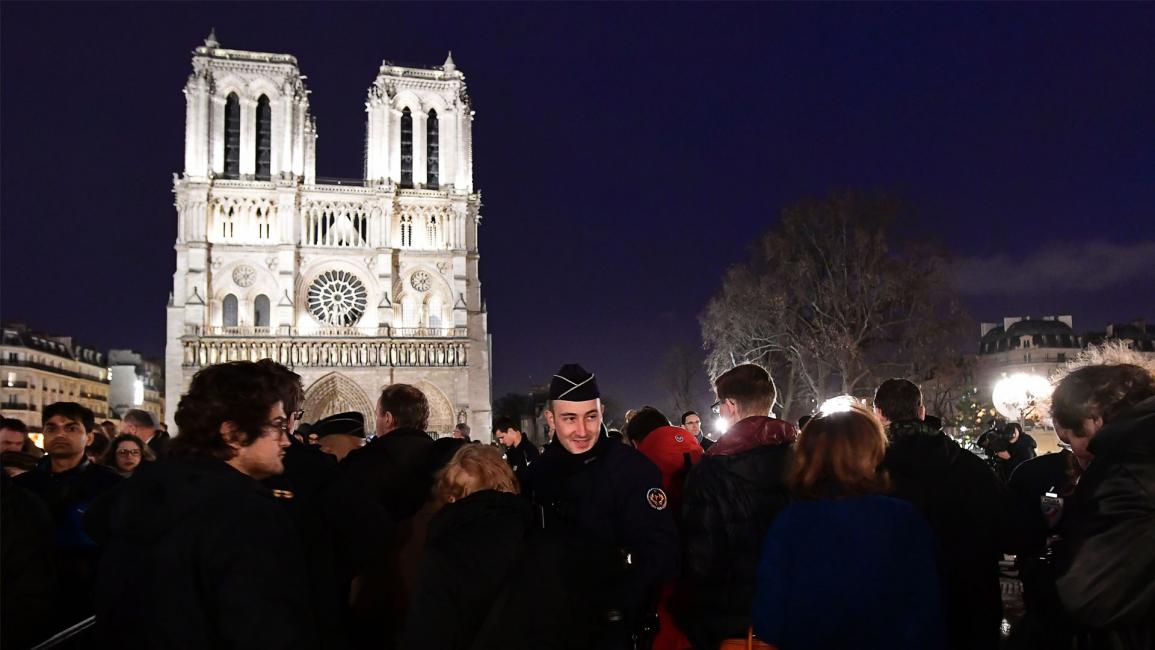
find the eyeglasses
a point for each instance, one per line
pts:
(716, 407)
(128, 452)
(282, 428)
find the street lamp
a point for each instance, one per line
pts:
(1013, 396)
(837, 404)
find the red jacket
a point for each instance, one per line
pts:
(674, 450)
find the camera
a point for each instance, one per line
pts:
(995, 439)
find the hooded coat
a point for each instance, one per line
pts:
(731, 497)
(1107, 569)
(968, 509)
(198, 555)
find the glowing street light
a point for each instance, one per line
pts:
(1017, 394)
(837, 404)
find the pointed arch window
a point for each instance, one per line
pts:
(264, 139)
(432, 151)
(229, 311)
(232, 136)
(431, 232)
(406, 148)
(261, 311)
(406, 231)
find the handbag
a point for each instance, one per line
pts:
(749, 643)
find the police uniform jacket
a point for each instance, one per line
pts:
(609, 498)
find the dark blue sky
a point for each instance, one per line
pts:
(626, 153)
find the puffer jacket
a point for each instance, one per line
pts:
(1107, 567)
(731, 497)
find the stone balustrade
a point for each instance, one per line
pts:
(385, 331)
(327, 352)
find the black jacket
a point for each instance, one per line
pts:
(521, 456)
(1037, 519)
(27, 568)
(730, 501)
(199, 555)
(336, 523)
(969, 510)
(1107, 574)
(488, 580)
(1021, 450)
(394, 470)
(68, 495)
(609, 499)
(158, 443)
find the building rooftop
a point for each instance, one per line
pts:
(18, 334)
(1016, 332)
(1138, 333)
(212, 48)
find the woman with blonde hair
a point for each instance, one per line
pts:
(845, 566)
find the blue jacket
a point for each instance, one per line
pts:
(849, 573)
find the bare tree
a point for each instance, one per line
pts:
(683, 377)
(833, 300)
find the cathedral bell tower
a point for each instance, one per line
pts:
(355, 284)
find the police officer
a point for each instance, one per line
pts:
(607, 498)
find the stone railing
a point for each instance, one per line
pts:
(385, 331)
(327, 353)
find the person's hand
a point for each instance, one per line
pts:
(1003, 454)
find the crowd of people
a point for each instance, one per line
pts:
(864, 526)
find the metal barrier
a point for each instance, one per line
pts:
(64, 637)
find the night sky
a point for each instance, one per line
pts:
(627, 154)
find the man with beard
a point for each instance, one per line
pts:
(199, 554)
(606, 499)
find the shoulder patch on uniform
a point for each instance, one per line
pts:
(678, 438)
(656, 498)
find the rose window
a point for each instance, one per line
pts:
(244, 275)
(337, 298)
(421, 281)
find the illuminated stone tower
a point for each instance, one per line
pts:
(355, 284)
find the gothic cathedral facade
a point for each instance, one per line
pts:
(354, 285)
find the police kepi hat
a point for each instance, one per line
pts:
(349, 424)
(573, 384)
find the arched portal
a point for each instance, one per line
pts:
(441, 412)
(335, 393)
